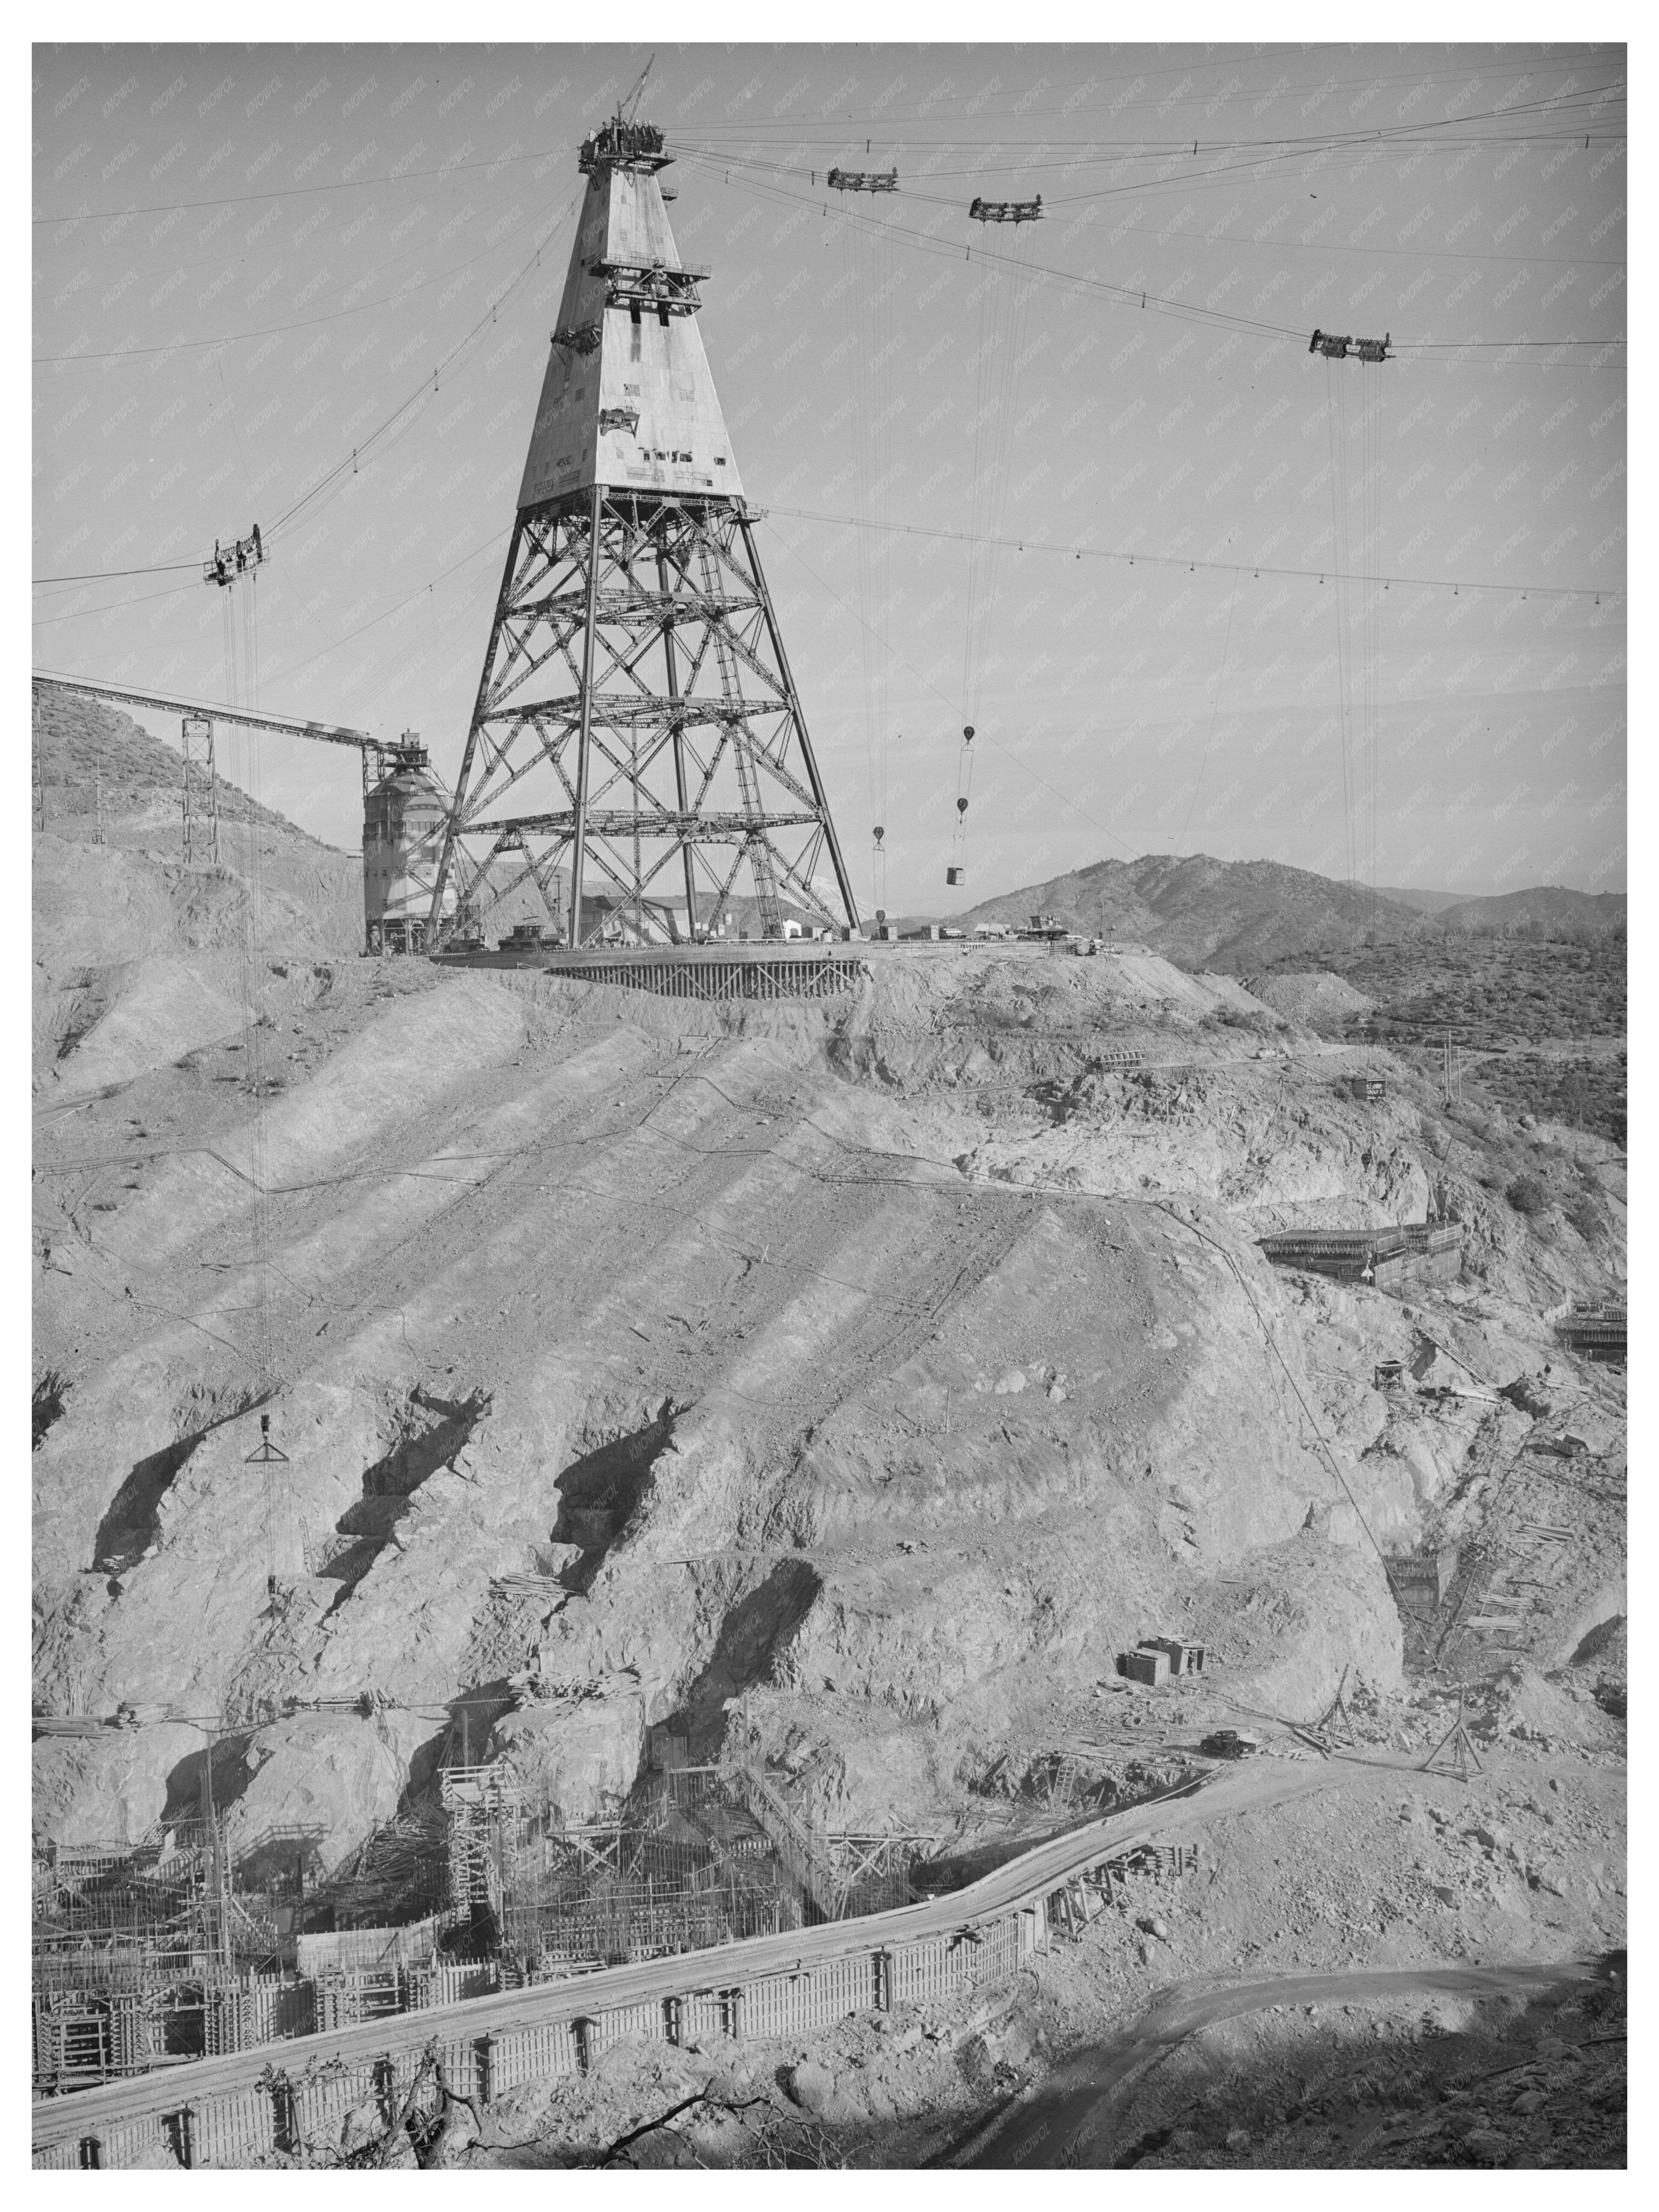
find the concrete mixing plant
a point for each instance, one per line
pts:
(405, 808)
(404, 814)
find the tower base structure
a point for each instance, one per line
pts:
(668, 756)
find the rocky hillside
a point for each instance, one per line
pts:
(139, 958)
(891, 1362)
(852, 1380)
(84, 743)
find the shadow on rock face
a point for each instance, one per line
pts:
(132, 1519)
(186, 1797)
(752, 1635)
(436, 1430)
(600, 1492)
(46, 1404)
(132, 1522)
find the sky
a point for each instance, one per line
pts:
(1079, 481)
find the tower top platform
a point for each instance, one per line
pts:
(628, 401)
(616, 143)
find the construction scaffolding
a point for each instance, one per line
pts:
(201, 1938)
(143, 1954)
(701, 1856)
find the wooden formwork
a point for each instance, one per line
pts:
(532, 2054)
(783, 2003)
(686, 972)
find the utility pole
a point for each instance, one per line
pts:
(197, 731)
(1451, 1074)
(194, 730)
(219, 1870)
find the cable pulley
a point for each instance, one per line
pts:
(1007, 210)
(956, 871)
(863, 180)
(1336, 348)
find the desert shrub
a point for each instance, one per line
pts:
(1526, 1195)
(1586, 1217)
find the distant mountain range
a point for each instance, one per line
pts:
(1242, 915)
(1547, 910)
(1425, 902)
(1237, 914)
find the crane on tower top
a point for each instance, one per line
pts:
(625, 109)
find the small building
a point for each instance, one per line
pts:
(1151, 1668)
(929, 932)
(1370, 1090)
(528, 936)
(1184, 1657)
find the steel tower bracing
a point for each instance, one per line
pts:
(637, 735)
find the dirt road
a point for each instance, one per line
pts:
(1066, 2123)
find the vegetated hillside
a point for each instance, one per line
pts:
(1547, 910)
(1487, 990)
(138, 956)
(1540, 1026)
(1227, 914)
(1579, 1093)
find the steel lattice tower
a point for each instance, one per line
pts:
(636, 700)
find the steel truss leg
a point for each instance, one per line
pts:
(657, 748)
